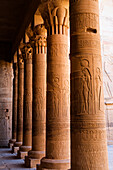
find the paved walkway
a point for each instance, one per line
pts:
(8, 161)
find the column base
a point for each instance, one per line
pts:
(23, 151)
(36, 154)
(25, 148)
(21, 154)
(50, 164)
(18, 144)
(30, 162)
(11, 143)
(33, 158)
(15, 149)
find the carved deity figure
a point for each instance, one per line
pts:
(86, 87)
(98, 87)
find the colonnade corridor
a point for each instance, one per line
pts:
(53, 104)
(9, 161)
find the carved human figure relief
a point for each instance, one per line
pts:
(98, 87)
(86, 86)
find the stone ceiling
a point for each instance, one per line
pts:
(15, 16)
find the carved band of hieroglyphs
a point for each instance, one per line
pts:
(94, 152)
(84, 21)
(84, 125)
(57, 149)
(83, 44)
(90, 134)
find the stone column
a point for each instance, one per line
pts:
(88, 130)
(58, 89)
(19, 140)
(15, 98)
(27, 115)
(39, 99)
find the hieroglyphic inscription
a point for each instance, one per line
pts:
(83, 21)
(84, 43)
(89, 147)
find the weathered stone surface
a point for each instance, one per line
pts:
(10, 145)
(15, 149)
(88, 132)
(22, 154)
(30, 162)
(27, 115)
(39, 98)
(15, 100)
(19, 138)
(58, 88)
(6, 82)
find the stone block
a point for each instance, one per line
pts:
(21, 154)
(10, 145)
(31, 163)
(15, 149)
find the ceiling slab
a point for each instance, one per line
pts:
(15, 16)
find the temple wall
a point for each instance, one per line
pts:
(106, 30)
(6, 79)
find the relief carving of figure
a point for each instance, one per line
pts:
(54, 95)
(98, 87)
(86, 87)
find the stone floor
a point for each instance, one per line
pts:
(8, 161)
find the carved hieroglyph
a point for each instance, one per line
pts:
(58, 90)
(88, 132)
(39, 95)
(20, 101)
(27, 115)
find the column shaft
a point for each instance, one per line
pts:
(15, 98)
(27, 113)
(39, 102)
(88, 130)
(27, 126)
(58, 92)
(20, 102)
(39, 98)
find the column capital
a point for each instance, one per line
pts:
(39, 39)
(56, 17)
(40, 35)
(37, 36)
(26, 50)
